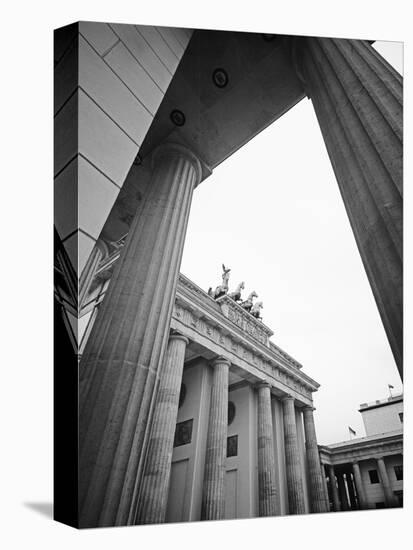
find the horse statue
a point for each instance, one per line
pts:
(236, 295)
(255, 310)
(221, 289)
(247, 304)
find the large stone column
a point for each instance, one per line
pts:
(334, 490)
(292, 459)
(213, 495)
(361, 493)
(388, 493)
(120, 366)
(343, 493)
(315, 475)
(153, 494)
(267, 488)
(357, 97)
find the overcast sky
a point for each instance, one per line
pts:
(273, 213)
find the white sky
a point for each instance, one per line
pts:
(273, 213)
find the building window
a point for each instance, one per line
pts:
(374, 476)
(398, 470)
(182, 395)
(231, 412)
(232, 446)
(183, 433)
(401, 417)
(379, 504)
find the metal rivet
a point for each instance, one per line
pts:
(177, 117)
(220, 78)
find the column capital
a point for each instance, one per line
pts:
(287, 397)
(308, 408)
(178, 336)
(262, 384)
(180, 150)
(220, 361)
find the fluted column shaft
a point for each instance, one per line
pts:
(361, 493)
(334, 490)
(153, 495)
(327, 494)
(342, 491)
(318, 495)
(388, 493)
(213, 495)
(295, 489)
(120, 367)
(351, 491)
(267, 487)
(357, 97)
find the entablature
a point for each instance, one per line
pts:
(364, 449)
(250, 348)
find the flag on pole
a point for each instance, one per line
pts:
(390, 387)
(351, 432)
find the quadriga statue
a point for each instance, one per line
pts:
(248, 303)
(236, 295)
(256, 310)
(223, 288)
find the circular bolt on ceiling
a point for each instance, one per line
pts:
(177, 117)
(220, 78)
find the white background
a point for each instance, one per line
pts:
(26, 218)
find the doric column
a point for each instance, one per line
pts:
(334, 490)
(351, 491)
(343, 493)
(357, 97)
(213, 496)
(361, 493)
(267, 488)
(388, 493)
(315, 475)
(153, 494)
(292, 459)
(326, 491)
(120, 366)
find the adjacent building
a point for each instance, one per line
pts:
(367, 472)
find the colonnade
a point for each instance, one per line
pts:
(153, 495)
(347, 488)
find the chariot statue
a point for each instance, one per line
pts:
(256, 310)
(248, 303)
(236, 295)
(223, 288)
